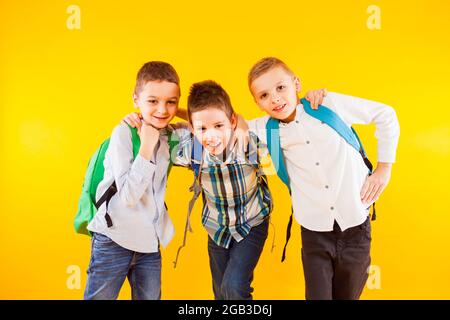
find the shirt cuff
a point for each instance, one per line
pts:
(386, 156)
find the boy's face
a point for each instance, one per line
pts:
(158, 102)
(213, 129)
(275, 92)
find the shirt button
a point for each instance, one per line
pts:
(307, 142)
(322, 122)
(317, 163)
(332, 208)
(296, 121)
(326, 187)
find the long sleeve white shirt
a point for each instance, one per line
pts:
(326, 173)
(140, 219)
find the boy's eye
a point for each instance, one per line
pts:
(280, 87)
(172, 102)
(153, 101)
(218, 126)
(263, 96)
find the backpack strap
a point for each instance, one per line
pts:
(274, 146)
(329, 117)
(349, 134)
(196, 164)
(276, 154)
(173, 141)
(111, 191)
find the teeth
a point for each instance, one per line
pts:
(214, 145)
(280, 107)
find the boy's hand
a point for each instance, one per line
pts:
(376, 183)
(315, 97)
(242, 132)
(133, 119)
(149, 138)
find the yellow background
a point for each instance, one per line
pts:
(62, 91)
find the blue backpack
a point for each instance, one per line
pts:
(328, 117)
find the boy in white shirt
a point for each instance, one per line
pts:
(330, 187)
(127, 231)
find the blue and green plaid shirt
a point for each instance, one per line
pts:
(235, 191)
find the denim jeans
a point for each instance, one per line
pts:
(232, 268)
(109, 266)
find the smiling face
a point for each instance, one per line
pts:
(275, 92)
(158, 102)
(213, 129)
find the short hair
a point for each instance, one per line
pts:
(155, 71)
(263, 66)
(208, 94)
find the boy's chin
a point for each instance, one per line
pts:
(215, 151)
(285, 116)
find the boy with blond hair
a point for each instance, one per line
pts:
(330, 184)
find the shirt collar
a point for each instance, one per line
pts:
(298, 115)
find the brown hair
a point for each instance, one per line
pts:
(264, 65)
(155, 71)
(209, 94)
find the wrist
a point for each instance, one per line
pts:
(146, 150)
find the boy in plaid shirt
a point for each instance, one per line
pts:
(236, 198)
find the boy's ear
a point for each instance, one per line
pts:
(298, 86)
(135, 100)
(233, 121)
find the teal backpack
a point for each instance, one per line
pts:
(327, 116)
(87, 205)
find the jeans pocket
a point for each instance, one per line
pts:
(101, 238)
(366, 229)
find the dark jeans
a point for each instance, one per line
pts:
(109, 266)
(232, 268)
(336, 263)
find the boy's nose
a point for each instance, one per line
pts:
(162, 109)
(210, 136)
(275, 98)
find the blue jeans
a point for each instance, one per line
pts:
(232, 268)
(109, 266)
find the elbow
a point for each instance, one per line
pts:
(128, 200)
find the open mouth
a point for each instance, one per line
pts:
(160, 118)
(214, 145)
(280, 108)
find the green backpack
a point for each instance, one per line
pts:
(87, 206)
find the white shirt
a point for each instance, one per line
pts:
(140, 219)
(326, 173)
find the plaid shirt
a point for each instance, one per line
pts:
(235, 191)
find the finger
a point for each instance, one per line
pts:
(365, 188)
(135, 116)
(316, 102)
(378, 193)
(371, 196)
(325, 92)
(137, 123)
(368, 192)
